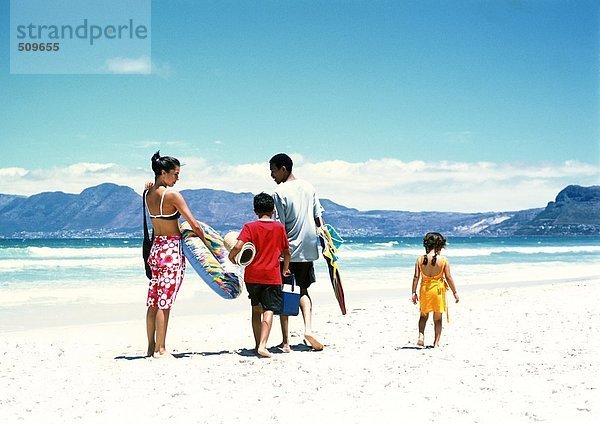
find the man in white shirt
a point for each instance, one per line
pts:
(299, 210)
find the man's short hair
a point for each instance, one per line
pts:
(281, 159)
(263, 203)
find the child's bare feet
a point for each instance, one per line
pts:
(162, 355)
(316, 345)
(150, 350)
(421, 341)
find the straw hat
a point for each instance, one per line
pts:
(230, 240)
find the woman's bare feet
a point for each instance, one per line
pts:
(263, 352)
(151, 347)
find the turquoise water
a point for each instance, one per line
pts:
(402, 251)
(68, 262)
(85, 262)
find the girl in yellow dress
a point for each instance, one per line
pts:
(434, 272)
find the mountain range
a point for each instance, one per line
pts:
(110, 210)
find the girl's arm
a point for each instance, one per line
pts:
(450, 280)
(182, 207)
(415, 282)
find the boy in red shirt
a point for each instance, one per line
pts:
(262, 275)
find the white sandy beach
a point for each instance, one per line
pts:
(514, 354)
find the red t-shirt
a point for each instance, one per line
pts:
(270, 239)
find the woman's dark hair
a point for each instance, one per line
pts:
(263, 203)
(433, 241)
(163, 163)
(281, 159)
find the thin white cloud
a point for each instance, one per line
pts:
(152, 144)
(125, 65)
(70, 179)
(373, 184)
(458, 137)
(140, 65)
(84, 168)
(13, 172)
(146, 144)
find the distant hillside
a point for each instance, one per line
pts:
(104, 210)
(5, 199)
(415, 224)
(109, 210)
(576, 210)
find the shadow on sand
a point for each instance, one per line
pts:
(177, 355)
(414, 347)
(300, 347)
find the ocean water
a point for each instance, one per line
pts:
(402, 251)
(111, 270)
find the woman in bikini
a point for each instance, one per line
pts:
(434, 272)
(166, 260)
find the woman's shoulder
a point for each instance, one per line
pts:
(168, 196)
(162, 189)
(170, 192)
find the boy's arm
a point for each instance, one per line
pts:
(286, 262)
(450, 280)
(236, 249)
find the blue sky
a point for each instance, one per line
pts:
(494, 104)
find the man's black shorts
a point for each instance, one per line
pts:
(268, 296)
(303, 272)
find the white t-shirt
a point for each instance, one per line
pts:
(296, 207)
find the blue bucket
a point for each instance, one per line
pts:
(290, 303)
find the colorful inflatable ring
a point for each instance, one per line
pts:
(211, 263)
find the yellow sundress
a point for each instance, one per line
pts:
(432, 293)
